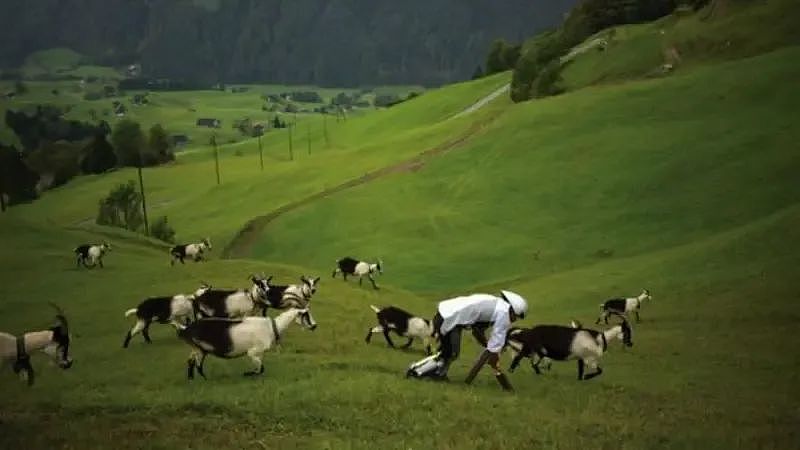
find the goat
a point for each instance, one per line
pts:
(403, 323)
(53, 341)
(194, 251)
(162, 310)
(349, 266)
(231, 303)
(300, 294)
(91, 252)
(561, 343)
(623, 306)
(228, 338)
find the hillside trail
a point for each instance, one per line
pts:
(484, 101)
(245, 239)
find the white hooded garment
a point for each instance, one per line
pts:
(471, 309)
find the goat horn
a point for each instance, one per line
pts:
(60, 316)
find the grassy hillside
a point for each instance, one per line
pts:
(630, 170)
(685, 185)
(187, 192)
(736, 30)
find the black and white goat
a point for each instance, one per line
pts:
(91, 252)
(177, 310)
(232, 303)
(54, 341)
(350, 266)
(282, 296)
(404, 324)
(229, 338)
(297, 294)
(193, 251)
(623, 306)
(561, 343)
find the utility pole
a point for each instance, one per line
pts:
(325, 129)
(216, 154)
(308, 135)
(260, 150)
(144, 200)
(291, 150)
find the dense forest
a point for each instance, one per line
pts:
(342, 43)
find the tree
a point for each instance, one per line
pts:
(99, 156)
(128, 141)
(20, 87)
(55, 162)
(121, 208)
(17, 181)
(159, 145)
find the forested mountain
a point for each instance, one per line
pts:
(328, 42)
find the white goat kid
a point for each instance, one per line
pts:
(623, 306)
(228, 339)
(91, 252)
(350, 266)
(54, 342)
(193, 251)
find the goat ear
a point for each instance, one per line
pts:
(316, 280)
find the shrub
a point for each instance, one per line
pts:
(92, 95)
(122, 208)
(162, 230)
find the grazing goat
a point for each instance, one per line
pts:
(53, 341)
(194, 251)
(228, 339)
(561, 343)
(349, 266)
(403, 323)
(623, 306)
(91, 252)
(176, 309)
(232, 303)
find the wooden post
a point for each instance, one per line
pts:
(144, 201)
(216, 154)
(308, 135)
(291, 150)
(260, 151)
(325, 129)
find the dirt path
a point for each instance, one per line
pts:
(242, 244)
(484, 101)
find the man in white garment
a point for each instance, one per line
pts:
(478, 312)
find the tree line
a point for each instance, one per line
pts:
(54, 150)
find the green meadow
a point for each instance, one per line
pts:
(685, 184)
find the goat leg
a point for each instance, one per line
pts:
(517, 358)
(386, 336)
(146, 333)
(374, 286)
(201, 365)
(581, 366)
(190, 367)
(408, 344)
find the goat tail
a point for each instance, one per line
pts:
(375, 308)
(130, 312)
